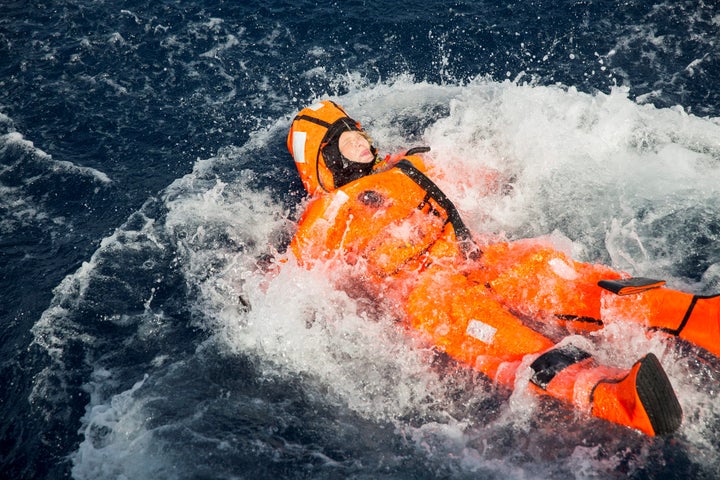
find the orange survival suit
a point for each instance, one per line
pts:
(476, 302)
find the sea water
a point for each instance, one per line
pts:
(152, 324)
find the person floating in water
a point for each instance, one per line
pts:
(488, 305)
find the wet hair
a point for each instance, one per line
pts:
(343, 169)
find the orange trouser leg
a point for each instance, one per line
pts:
(691, 317)
(640, 397)
(542, 283)
(538, 281)
(458, 317)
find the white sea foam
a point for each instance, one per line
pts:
(592, 170)
(21, 208)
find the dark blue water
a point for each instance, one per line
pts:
(144, 184)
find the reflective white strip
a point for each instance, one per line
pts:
(338, 201)
(316, 106)
(482, 331)
(299, 139)
(562, 269)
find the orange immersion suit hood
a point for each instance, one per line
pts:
(312, 142)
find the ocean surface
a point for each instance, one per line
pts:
(151, 330)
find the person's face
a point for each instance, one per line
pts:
(355, 147)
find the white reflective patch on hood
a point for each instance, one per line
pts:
(298, 145)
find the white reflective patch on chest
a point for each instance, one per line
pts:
(482, 331)
(337, 202)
